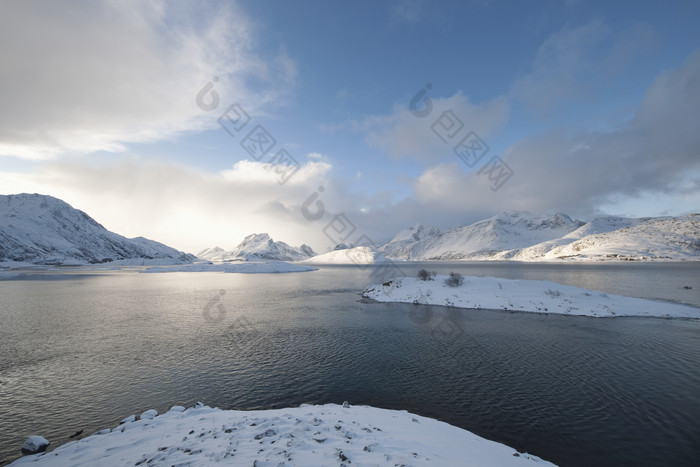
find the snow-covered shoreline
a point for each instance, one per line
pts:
(301, 436)
(243, 267)
(523, 295)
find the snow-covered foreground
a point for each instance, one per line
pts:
(302, 436)
(242, 267)
(523, 295)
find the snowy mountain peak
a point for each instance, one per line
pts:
(522, 236)
(307, 250)
(620, 238)
(530, 221)
(207, 252)
(259, 247)
(41, 229)
(255, 239)
(415, 233)
(356, 255)
(502, 232)
(42, 207)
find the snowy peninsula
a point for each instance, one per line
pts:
(308, 435)
(522, 295)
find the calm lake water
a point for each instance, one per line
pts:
(80, 351)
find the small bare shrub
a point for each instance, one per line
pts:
(426, 275)
(455, 280)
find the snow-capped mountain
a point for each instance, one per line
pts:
(524, 237)
(617, 238)
(258, 247)
(357, 255)
(403, 245)
(212, 254)
(598, 225)
(481, 240)
(41, 229)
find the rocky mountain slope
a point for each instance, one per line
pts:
(655, 238)
(41, 229)
(481, 240)
(258, 247)
(526, 237)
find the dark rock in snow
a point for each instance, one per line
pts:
(35, 444)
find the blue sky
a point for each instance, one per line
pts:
(590, 104)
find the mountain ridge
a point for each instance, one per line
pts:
(480, 240)
(514, 235)
(258, 247)
(41, 229)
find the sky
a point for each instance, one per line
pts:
(198, 123)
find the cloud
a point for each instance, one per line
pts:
(191, 209)
(92, 76)
(403, 135)
(576, 62)
(654, 152)
(407, 11)
(247, 172)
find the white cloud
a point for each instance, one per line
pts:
(574, 173)
(247, 172)
(402, 134)
(407, 11)
(575, 63)
(88, 76)
(184, 207)
(316, 156)
(653, 154)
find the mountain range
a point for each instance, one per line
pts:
(481, 240)
(525, 237)
(41, 229)
(258, 247)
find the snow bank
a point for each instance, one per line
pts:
(523, 295)
(303, 436)
(357, 255)
(246, 267)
